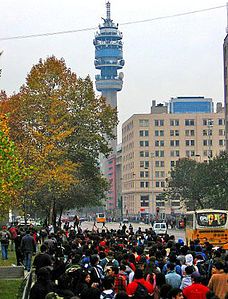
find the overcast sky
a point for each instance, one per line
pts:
(164, 58)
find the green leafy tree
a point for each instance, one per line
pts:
(218, 181)
(188, 182)
(12, 170)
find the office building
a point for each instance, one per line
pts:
(151, 145)
(191, 105)
(225, 64)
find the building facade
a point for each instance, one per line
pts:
(225, 64)
(109, 60)
(151, 145)
(191, 105)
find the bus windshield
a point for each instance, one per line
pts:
(209, 219)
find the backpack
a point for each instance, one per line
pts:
(141, 292)
(107, 296)
(4, 238)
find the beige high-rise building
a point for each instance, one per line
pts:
(151, 145)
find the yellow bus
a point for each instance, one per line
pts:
(100, 218)
(207, 225)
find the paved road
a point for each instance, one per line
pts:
(116, 225)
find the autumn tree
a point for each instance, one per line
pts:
(60, 127)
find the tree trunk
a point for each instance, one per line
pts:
(60, 216)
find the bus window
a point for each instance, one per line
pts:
(215, 219)
(189, 220)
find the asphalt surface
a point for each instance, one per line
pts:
(178, 233)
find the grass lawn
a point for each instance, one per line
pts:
(10, 289)
(11, 259)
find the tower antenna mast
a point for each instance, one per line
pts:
(227, 16)
(108, 10)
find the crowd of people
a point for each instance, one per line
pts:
(119, 264)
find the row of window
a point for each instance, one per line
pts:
(158, 184)
(176, 122)
(144, 201)
(174, 153)
(188, 142)
(161, 133)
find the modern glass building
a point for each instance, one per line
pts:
(191, 105)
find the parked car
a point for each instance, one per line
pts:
(125, 220)
(160, 228)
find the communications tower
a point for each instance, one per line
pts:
(109, 59)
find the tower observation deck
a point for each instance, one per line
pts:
(109, 58)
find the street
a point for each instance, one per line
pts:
(178, 233)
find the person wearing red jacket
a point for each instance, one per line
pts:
(138, 278)
(197, 289)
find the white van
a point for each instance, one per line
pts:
(160, 228)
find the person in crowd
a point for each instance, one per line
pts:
(42, 259)
(43, 284)
(108, 285)
(172, 278)
(187, 279)
(139, 280)
(175, 293)
(197, 290)
(28, 247)
(4, 239)
(219, 279)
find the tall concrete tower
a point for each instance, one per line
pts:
(109, 60)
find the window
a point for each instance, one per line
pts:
(189, 122)
(159, 153)
(144, 143)
(144, 164)
(221, 132)
(207, 122)
(159, 143)
(159, 163)
(159, 122)
(144, 174)
(144, 154)
(159, 174)
(189, 142)
(144, 184)
(144, 199)
(207, 132)
(144, 122)
(207, 142)
(174, 143)
(221, 142)
(174, 132)
(159, 184)
(207, 153)
(221, 121)
(143, 133)
(159, 133)
(174, 122)
(174, 153)
(189, 133)
(190, 153)
(172, 163)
